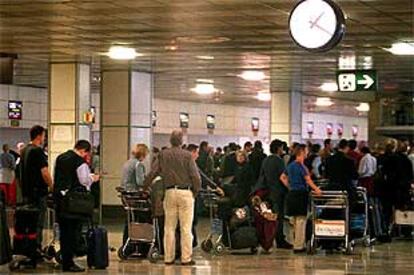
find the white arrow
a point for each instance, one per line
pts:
(367, 81)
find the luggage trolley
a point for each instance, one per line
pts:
(139, 232)
(326, 227)
(359, 219)
(52, 248)
(213, 241)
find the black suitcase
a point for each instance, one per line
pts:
(5, 246)
(98, 250)
(25, 229)
(244, 237)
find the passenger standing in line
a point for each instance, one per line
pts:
(182, 181)
(405, 173)
(297, 178)
(366, 170)
(244, 180)
(72, 171)
(217, 157)
(248, 147)
(269, 180)
(352, 153)
(256, 158)
(327, 149)
(229, 164)
(133, 176)
(388, 191)
(313, 161)
(341, 171)
(204, 161)
(35, 179)
(7, 167)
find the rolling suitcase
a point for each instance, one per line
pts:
(25, 237)
(97, 256)
(5, 246)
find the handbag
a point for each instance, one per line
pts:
(77, 202)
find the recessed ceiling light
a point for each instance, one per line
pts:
(264, 96)
(324, 102)
(329, 87)
(363, 107)
(202, 80)
(204, 89)
(401, 48)
(253, 75)
(205, 57)
(122, 53)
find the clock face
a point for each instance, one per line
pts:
(317, 25)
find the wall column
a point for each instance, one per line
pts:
(69, 100)
(126, 118)
(286, 116)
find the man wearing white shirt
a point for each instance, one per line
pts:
(72, 171)
(366, 170)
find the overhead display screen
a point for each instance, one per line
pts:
(255, 124)
(211, 122)
(184, 120)
(15, 110)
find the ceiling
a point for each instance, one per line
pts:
(173, 34)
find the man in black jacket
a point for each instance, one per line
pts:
(71, 171)
(256, 158)
(341, 171)
(272, 168)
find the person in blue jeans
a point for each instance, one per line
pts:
(298, 180)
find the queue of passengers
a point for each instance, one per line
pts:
(283, 179)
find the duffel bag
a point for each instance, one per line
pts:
(244, 237)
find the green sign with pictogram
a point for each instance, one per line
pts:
(357, 80)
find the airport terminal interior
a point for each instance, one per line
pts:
(323, 77)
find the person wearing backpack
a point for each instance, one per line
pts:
(71, 173)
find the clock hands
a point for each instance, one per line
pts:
(315, 24)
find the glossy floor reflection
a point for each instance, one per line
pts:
(394, 258)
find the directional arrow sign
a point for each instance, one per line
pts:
(357, 80)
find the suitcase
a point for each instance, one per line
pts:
(5, 246)
(244, 237)
(98, 251)
(25, 229)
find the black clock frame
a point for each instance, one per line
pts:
(339, 31)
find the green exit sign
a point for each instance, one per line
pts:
(357, 80)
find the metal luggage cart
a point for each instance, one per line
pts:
(52, 249)
(325, 228)
(213, 241)
(139, 232)
(359, 219)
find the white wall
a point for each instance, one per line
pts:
(321, 119)
(233, 123)
(34, 105)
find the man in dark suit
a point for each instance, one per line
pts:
(269, 181)
(341, 171)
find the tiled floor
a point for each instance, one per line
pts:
(394, 258)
